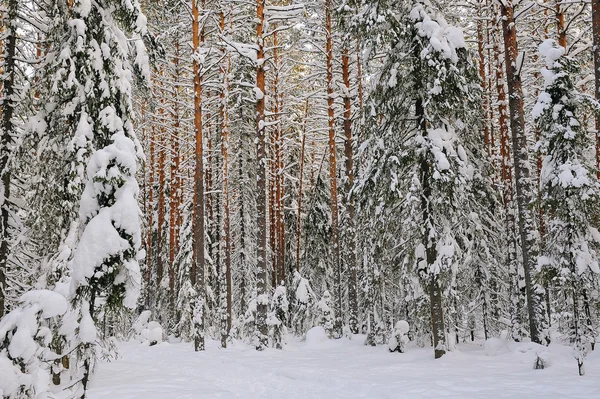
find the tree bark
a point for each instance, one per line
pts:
(596, 47)
(300, 184)
(149, 243)
(335, 234)
(438, 329)
(261, 199)
(174, 190)
(522, 172)
(560, 25)
(226, 237)
(350, 252)
(6, 140)
(483, 78)
(161, 191)
(197, 272)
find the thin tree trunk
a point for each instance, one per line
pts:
(243, 264)
(560, 25)
(438, 329)
(507, 195)
(335, 234)
(150, 214)
(226, 237)
(279, 183)
(161, 192)
(272, 189)
(197, 272)
(6, 139)
(535, 307)
(596, 47)
(261, 200)
(174, 191)
(483, 78)
(350, 253)
(300, 184)
(359, 80)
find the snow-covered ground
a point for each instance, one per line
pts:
(340, 369)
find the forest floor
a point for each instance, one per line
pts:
(341, 369)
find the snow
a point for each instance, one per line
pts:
(442, 142)
(402, 326)
(304, 293)
(283, 13)
(51, 303)
(551, 51)
(99, 240)
(87, 329)
(495, 346)
(154, 333)
(83, 7)
(340, 369)
(443, 38)
(316, 336)
(10, 375)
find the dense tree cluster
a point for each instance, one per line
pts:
(241, 171)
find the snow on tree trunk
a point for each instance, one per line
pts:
(522, 167)
(262, 300)
(197, 274)
(7, 134)
(335, 231)
(596, 43)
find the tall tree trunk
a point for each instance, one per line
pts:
(507, 194)
(149, 244)
(300, 186)
(197, 272)
(261, 175)
(174, 190)
(520, 151)
(359, 81)
(438, 329)
(596, 47)
(226, 237)
(161, 189)
(243, 264)
(278, 167)
(483, 78)
(335, 234)
(272, 190)
(6, 139)
(350, 252)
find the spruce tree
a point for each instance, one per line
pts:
(569, 191)
(417, 162)
(98, 70)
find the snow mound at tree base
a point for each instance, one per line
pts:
(495, 347)
(316, 336)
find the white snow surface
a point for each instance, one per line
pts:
(551, 51)
(340, 369)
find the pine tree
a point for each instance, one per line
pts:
(304, 308)
(26, 336)
(278, 317)
(524, 192)
(326, 314)
(569, 191)
(105, 261)
(424, 167)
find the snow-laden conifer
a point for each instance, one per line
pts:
(569, 192)
(417, 163)
(26, 335)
